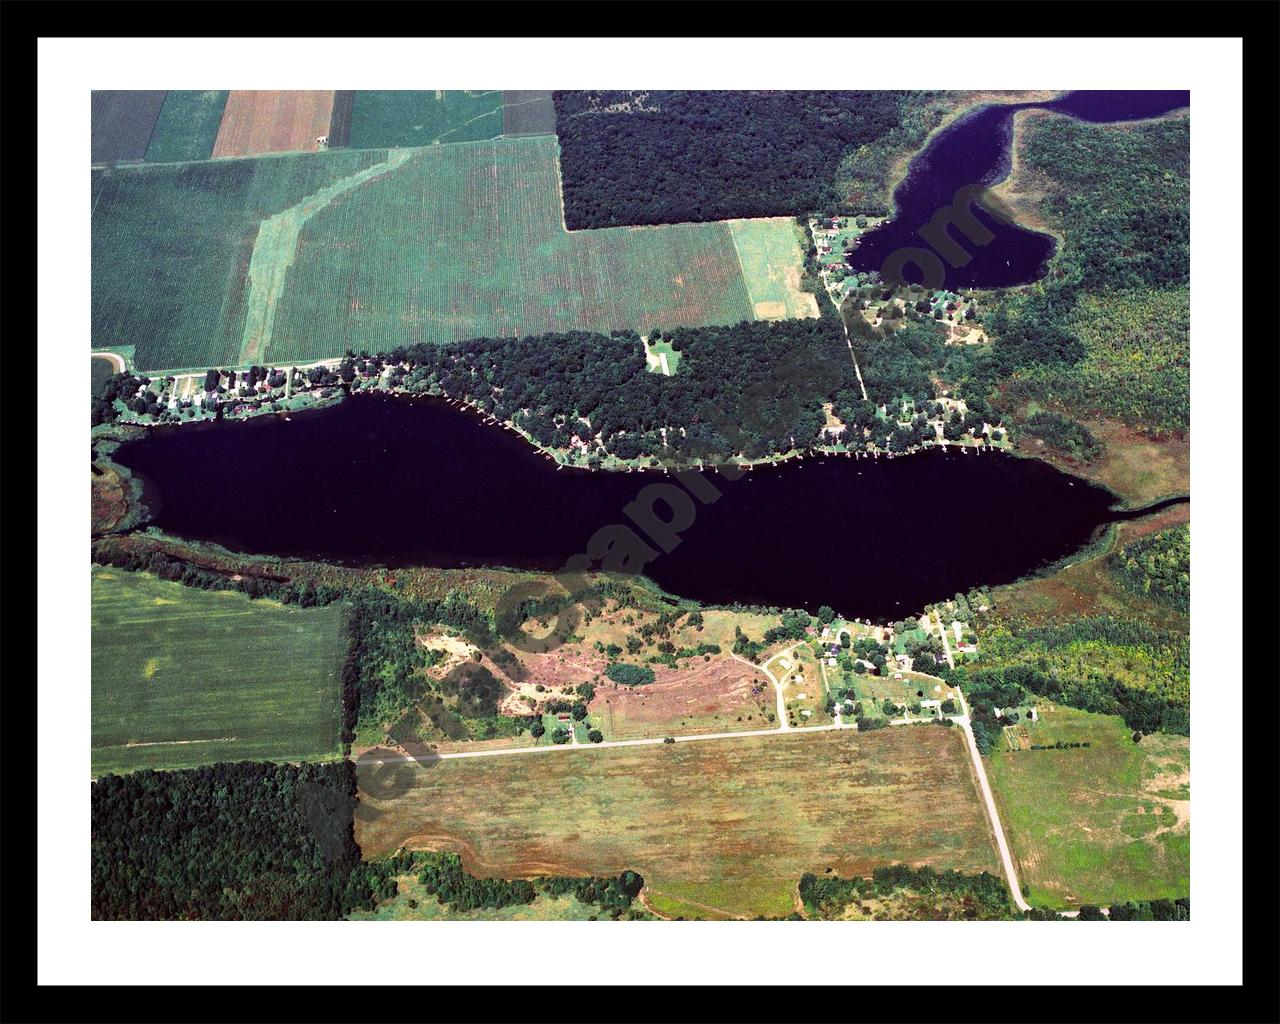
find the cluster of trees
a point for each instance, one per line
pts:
(744, 646)
(383, 672)
(670, 156)
(443, 875)
(1064, 433)
(1158, 566)
(793, 626)
(630, 675)
(242, 841)
(966, 897)
(128, 389)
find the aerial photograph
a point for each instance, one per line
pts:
(640, 505)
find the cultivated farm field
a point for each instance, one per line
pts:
(121, 122)
(404, 117)
(301, 257)
(273, 121)
(187, 127)
(1099, 824)
(171, 248)
(528, 112)
(468, 241)
(725, 827)
(185, 677)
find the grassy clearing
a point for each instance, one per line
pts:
(422, 118)
(727, 823)
(770, 250)
(187, 127)
(185, 677)
(1102, 824)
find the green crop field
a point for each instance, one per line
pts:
(1098, 824)
(769, 250)
(171, 248)
(185, 677)
(404, 117)
(468, 241)
(729, 825)
(187, 126)
(300, 257)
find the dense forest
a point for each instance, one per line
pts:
(243, 841)
(665, 157)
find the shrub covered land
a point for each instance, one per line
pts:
(901, 892)
(1107, 665)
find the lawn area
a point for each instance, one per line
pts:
(185, 677)
(403, 117)
(187, 126)
(1099, 824)
(731, 824)
(769, 250)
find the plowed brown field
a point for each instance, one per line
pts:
(268, 121)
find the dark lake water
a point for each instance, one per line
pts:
(392, 481)
(975, 151)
